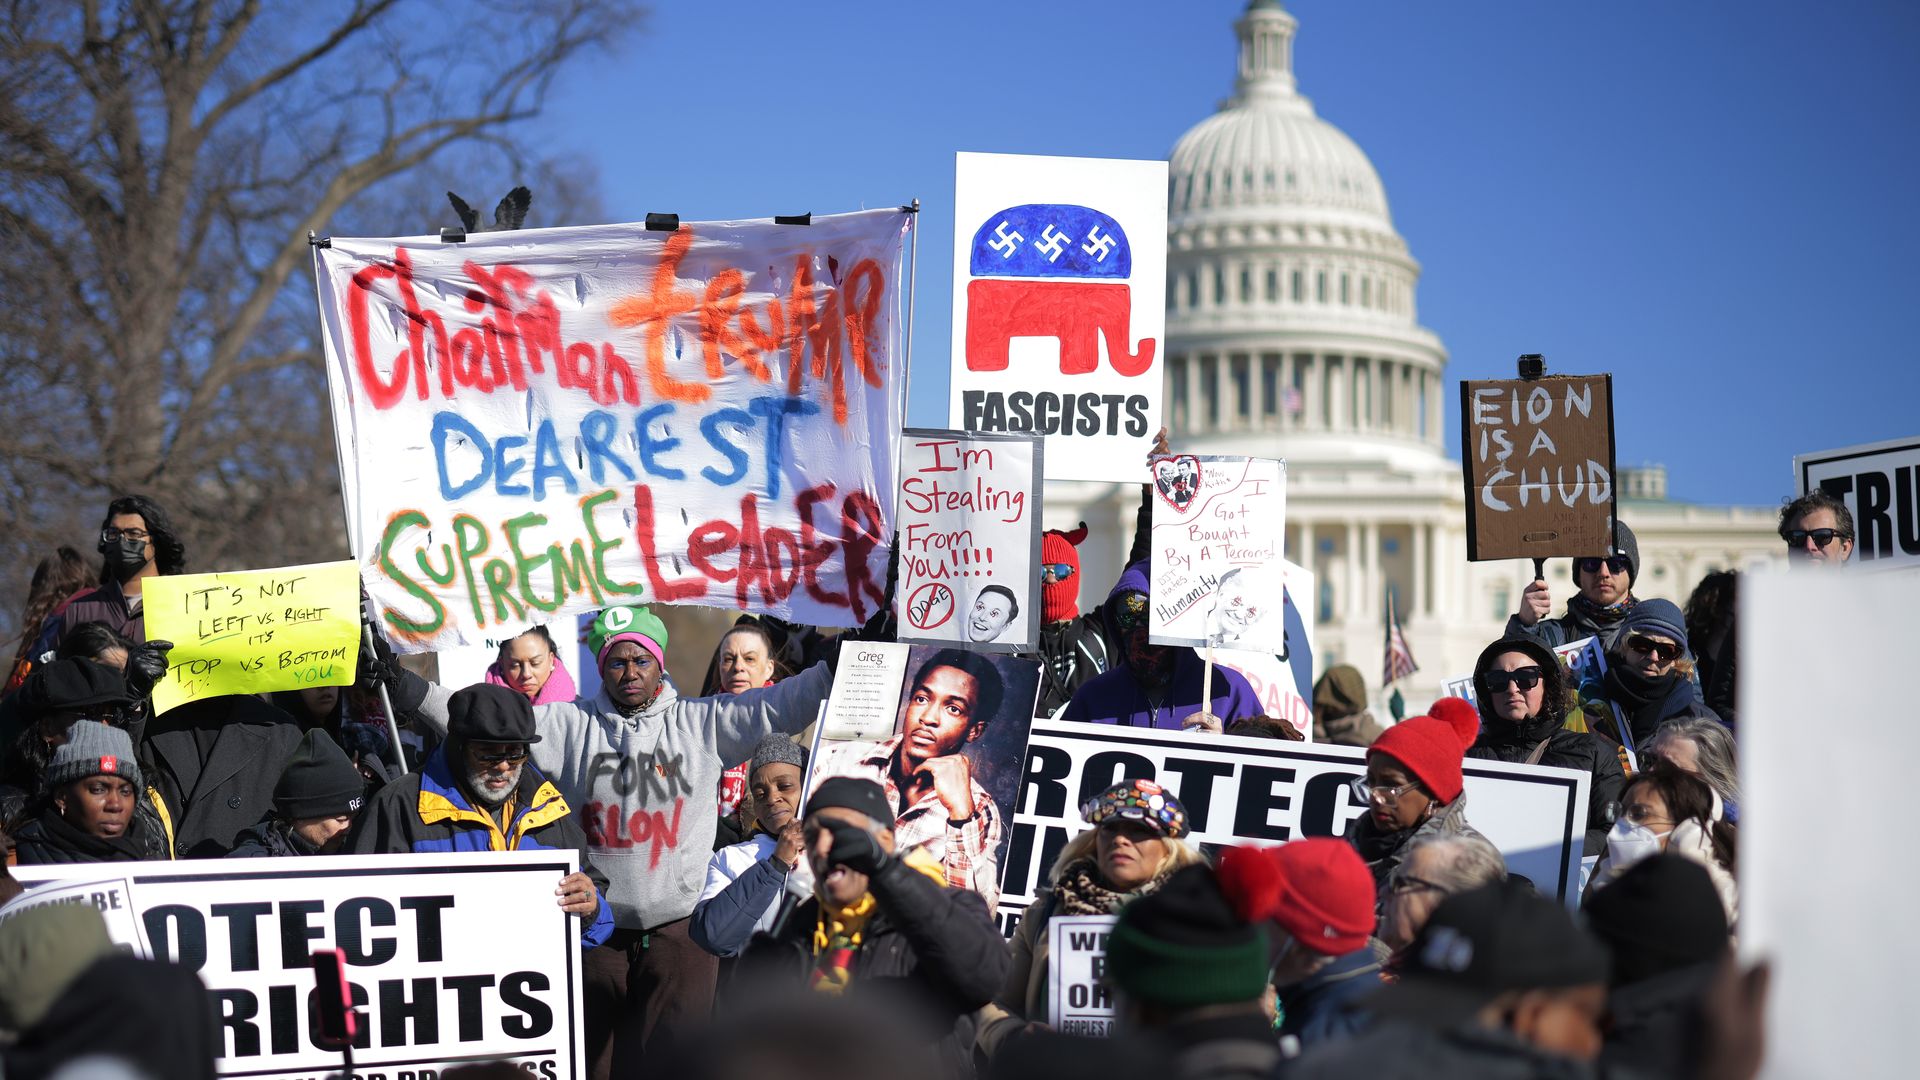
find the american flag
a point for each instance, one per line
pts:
(1290, 401)
(1399, 663)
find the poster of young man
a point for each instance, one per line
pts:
(951, 767)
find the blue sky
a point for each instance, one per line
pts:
(1714, 201)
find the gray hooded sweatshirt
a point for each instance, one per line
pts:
(645, 787)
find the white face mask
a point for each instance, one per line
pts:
(1628, 844)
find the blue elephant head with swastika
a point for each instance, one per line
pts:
(1050, 240)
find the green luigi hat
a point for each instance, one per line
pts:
(635, 623)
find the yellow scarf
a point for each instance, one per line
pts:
(838, 931)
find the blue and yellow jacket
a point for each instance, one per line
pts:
(427, 811)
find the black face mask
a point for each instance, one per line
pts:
(126, 556)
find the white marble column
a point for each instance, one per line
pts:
(1196, 409)
(1310, 391)
(1436, 411)
(1339, 389)
(1350, 602)
(1417, 604)
(1371, 591)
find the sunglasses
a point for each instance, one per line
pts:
(1055, 571)
(1797, 538)
(1659, 650)
(513, 757)
(1618, 564)
(1525, 678)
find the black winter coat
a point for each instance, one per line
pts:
(1582, 750)
(1655, 1025)
(930, 951)
(270, 839)
(1071, 653)
(1402, 1051)
(49, 840)
(215, 762)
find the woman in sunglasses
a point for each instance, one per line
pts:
(1523, 696)
(1649, 677)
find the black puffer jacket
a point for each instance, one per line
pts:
(1503, 741)
(932, 952)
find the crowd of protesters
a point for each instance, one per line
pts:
(1402, 948)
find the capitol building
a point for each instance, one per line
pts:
(1293, 331)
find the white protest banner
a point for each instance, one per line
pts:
(1059, 306)
(969, 539)
(1880, 483)
(1821, 906)
(1079, 1001)
(544, 422)
(1217, 558)
(1266, 791)
(451, 958)
(950, 752)
(1539, 466)
(1283, 681)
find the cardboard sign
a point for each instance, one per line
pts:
(251, 631)
(1539, 466)
(1264, 791)
(1218, 558)
(1880, 483)
(1059, 306)
(451, 958)
(545, 422)
(955, 735)
(1812, 902)
(969, 538)
(1079, 1001)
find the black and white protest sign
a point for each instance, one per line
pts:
(1219, 525)
(1079, 1001)
(450, 958)
(1264, 791)
(968, 521)
(1880, 483)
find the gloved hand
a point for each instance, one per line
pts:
(146, 666)
(856, 849)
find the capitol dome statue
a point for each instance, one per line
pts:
(1293, 332)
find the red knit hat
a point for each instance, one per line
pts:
(1431, 746)
(1317, 888)
(1060, 600)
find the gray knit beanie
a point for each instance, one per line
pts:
(777, 749)
(93, 749)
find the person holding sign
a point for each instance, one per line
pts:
(93, 786)
(641, 765)
(477, 792)
(1413, 787)
(1157, 686)
(1523, 696)
(883, 923)
(1606, 595)
(1135, 839)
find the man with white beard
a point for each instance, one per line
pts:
(478, 792)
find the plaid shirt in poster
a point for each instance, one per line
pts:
(968, 852)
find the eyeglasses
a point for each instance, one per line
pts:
(1641, 814)
(1366, 791)
(1659, 650)
(512, 757)
(1797, 538)
(1407, 883)
(1526, 678)
(1618, 564)
(112, 536)
(1055, 571)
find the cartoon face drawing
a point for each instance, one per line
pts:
(1241, 602)
(994, 609)
(1065, 269)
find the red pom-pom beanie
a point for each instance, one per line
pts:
(1431, 746)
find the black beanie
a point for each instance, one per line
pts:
(73, 683)
(319, 780)
(853, 793)
(1184, 945)
(1662, 914)
(1624, 543)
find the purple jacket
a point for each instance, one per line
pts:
(1115, 697)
